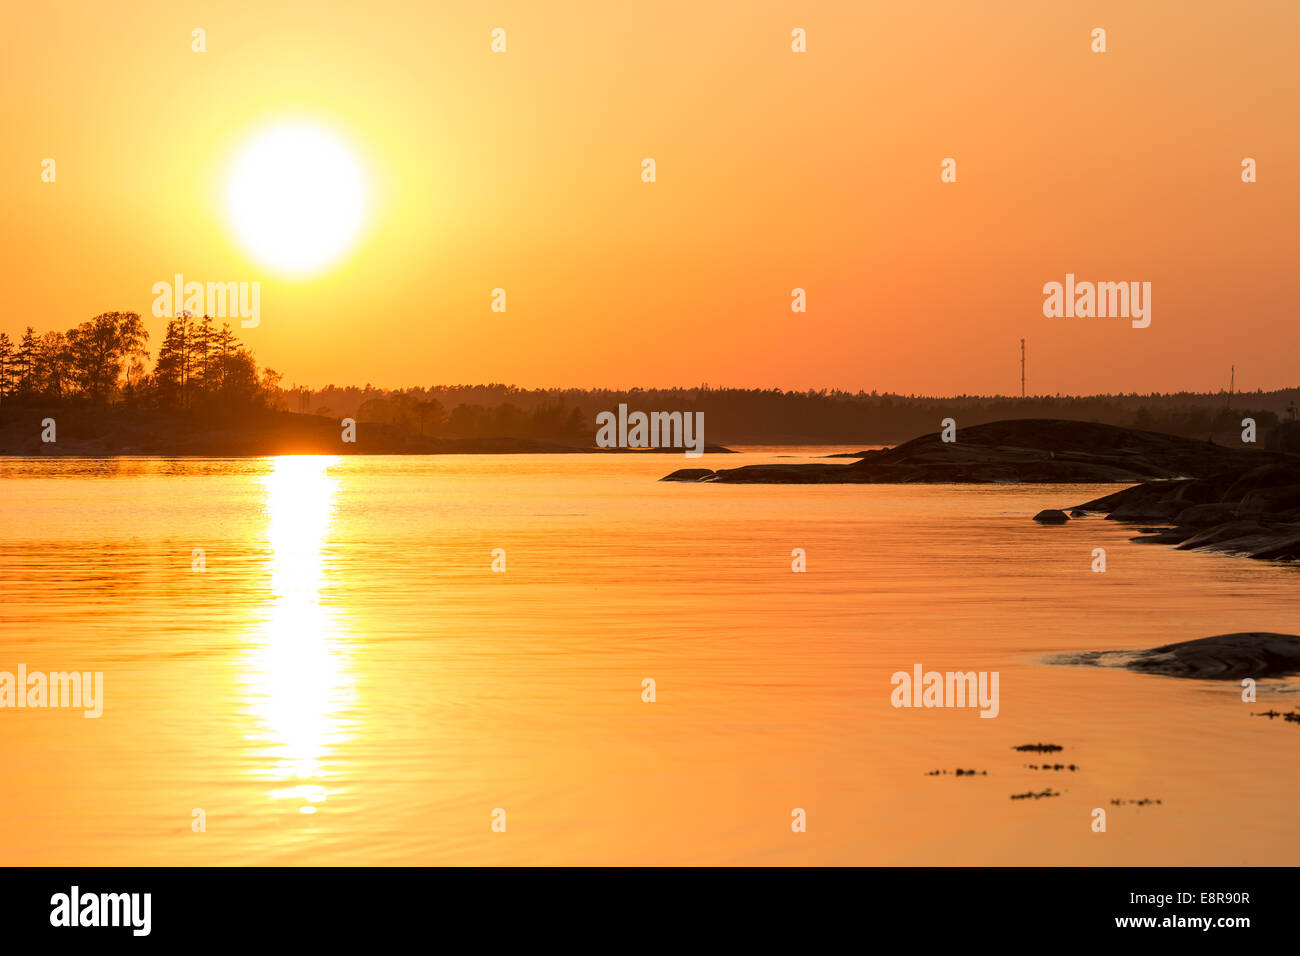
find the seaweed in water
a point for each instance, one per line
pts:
(959, 773)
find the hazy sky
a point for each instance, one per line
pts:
(775, 170)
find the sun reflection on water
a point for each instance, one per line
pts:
(299, 682)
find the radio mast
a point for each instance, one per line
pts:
(1022, 368)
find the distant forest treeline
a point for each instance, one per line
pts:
(200, 367)
(205, 371)
(774, 416)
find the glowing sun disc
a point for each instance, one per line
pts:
(296, 197)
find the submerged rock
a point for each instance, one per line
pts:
(1257, 654)
(689, 474)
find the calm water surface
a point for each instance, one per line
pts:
(348, 681)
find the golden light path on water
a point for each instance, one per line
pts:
(299, 682)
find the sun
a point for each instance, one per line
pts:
(296, 198)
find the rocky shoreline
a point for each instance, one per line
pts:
(1247, 511)
(1237, 500)
(1257, 655)
(123, 432)
(1018, 451)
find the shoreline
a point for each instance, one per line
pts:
(1237, 500)
(1026, 451)
(117, 432)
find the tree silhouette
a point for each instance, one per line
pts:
(102, 361)
(6, 365)
(102, 349)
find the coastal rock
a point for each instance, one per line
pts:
(1256, 479)
(1257, 654)
(1165, 536)
(1270, 500)
(689, 474)
(1252, 509)
(1035, 450)
(859, 454)
(1238, 500)
(1284, 437)
(1222, 534)
(798, 474)
(1145, 512)
(1280, 548)
(1224, 657)
(1204, 516)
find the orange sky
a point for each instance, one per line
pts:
(775, 170)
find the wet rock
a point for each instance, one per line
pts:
(1145, 511)
(1279, 549)
(1267, 476)
(1051, 516)
(1165, 536)
(1202, 516)
(1257, 654)
(1221, 533)
(690, 474)
(1252, 509)
(1270, 500)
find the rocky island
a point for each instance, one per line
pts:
(1243, 500)
(1018, 451)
